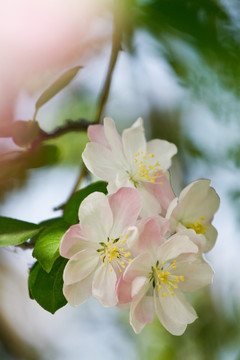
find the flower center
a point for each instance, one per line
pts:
(163, 279)
(114, 251)
(198, 227)
(145, 168)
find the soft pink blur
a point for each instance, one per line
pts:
(37, 37)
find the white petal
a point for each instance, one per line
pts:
(141, 309)
(121, 180)
(176, 245)
(80, 266)
(104, 283)
(138, 284)
(100, 161)
(95, 216)
(114, 140)
(163, 151)
(174, 327)
(125, 205)
(78, 292)
(150, 204)
(73, 241)
(133, 142)
(211, 236)
(197, 274)
(177, 308)
(197, 200)
(139, 266)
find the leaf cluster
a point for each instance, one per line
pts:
(46, 275)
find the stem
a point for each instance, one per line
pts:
(103, 97)
(116, 47)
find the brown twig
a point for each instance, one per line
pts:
(70, 126)
(116, 47)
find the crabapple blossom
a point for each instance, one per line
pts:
(155, 280)
(97, 248)
(194, 209)
(131, 161)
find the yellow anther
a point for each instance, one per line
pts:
(127, 236)
(172, 293)
(161, 183)
(202, 218)
(110, 269)
(198, 227)
(181, 277)
(165, 294)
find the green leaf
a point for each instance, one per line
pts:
(14, 232)
(46, 249)
(57, 86)
(46, 288)
(71, 209)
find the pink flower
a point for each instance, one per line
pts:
(156, 279)
(97, 248)
(194, 209)
(130, 161)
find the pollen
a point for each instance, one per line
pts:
(198, 227)
(164, 278)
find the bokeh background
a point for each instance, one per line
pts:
(179, 69)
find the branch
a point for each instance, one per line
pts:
(116, 47)
(70, 126)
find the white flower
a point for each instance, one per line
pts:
(194, 209)
(130, 161)
(155, 280)
(98, 246)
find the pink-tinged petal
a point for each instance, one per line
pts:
(197, 274)
(139, 266)
(95, 216)
(138, 283)
(132, 237)
(78, 292)
(150, 234)
(125, 205)
(197, 200)
(123, 291)
(162, 191)
(177, 308)
(104, 283)
(141, 309)
(133, 142)
(174, 327)
(176, 245)
(150, 204)
(163, 152)
(211, 237)
(73, 241)
(100, 161)
(121, 180)
(114, 140)
(80, 266)
(96, 134)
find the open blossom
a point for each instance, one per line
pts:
(156, 279)
(194, 209)
(97, 248)
(130, 161)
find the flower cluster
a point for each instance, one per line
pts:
(140, 246)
